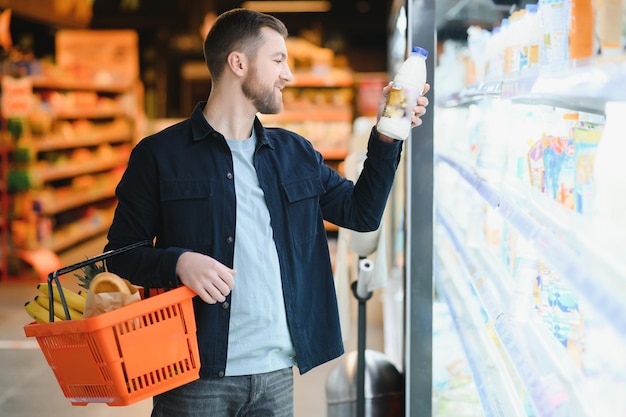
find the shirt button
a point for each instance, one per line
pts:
(229, 239)
(220, 374)
(229, 175)
(225, 305)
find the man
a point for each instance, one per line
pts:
(236, 212)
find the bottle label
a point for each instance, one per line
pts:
(400, 102)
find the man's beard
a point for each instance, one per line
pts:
(265, 100)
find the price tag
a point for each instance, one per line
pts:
(17, 96)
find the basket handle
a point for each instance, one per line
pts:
(54, 276)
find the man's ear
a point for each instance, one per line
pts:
(237, 62)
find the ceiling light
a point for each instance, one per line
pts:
(287, 6)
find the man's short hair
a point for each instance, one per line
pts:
(237, 30)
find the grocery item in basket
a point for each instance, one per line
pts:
(38, 308)
(38, 312)
(110, 282)
(107, 292)
(59, 312)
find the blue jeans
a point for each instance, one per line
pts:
(261, 395)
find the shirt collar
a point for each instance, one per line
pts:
(201, 129)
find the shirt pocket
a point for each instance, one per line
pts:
(303, 209)
(187, 208)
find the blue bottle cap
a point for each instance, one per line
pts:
(419, 51)
(532, 8)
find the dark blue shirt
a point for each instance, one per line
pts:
(178, 190)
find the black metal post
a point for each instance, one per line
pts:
(361, 338)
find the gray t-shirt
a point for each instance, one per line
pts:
(259, 339)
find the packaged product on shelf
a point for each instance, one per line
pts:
(515, 60)
(450, 124)
(608, 25)
(558, 307)
(507, 34)
(524, 125)
(491, 145)
(552, 159)
(536, 166)
(581, 29)
(449, 68)
(495, 54)
(40, 120)
(454, 391)
(475, 127)
(555, 23)
(477, 41)
(533, 48)
(587, 135)
(562, 170)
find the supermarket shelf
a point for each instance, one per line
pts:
(583, 85)
(50, 12)
(308, 115)
(565, 242)
(74, 169)
(497, 395)
(82, 230)
(473, 94)
(56, 142)
(579, 103)
(332, 78)
(554, 386)
(94, 113)
(333, 154)
(68, 198)
(69, 83)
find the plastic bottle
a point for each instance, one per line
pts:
(517, 36)
(408, 85)
(581, 29)
(495, 52)
(477, 42)
(535, 36)
(555, 21)
(608, 27)
(505, 30)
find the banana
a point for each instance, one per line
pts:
(74, 300)
(44, 301)
(82, 293)
(36, 311)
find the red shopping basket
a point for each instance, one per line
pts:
(126, 355)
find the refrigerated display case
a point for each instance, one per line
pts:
(512, 306)
(532, 273)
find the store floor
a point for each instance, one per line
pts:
(28, 387)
